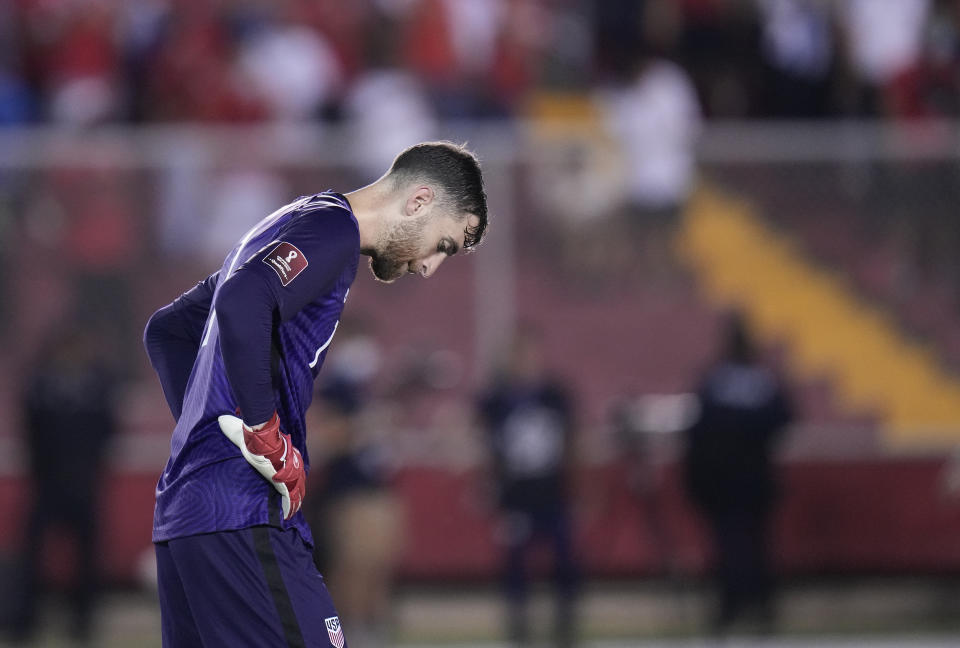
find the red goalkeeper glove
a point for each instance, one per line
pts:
(274, 456)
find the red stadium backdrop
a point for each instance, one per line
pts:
(877, 516)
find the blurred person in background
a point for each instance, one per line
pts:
(653, 113)
(719, 46)
(798, 53)
(644, 425)
(236, 197)
(83, 221)
(930, 87)
(731, 477)
(356, 519)
(460, 64)
(289, 67)
(882, 40)
(73, 50)
(386, 107)
(916, 199)
(103, 242)
(17, 102)
(527, 416)
(193, 71)
(70, 417)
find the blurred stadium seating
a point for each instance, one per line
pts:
(863, 413)
(139, 138)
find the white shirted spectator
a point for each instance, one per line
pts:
(656, 120)
(238, 199)
(796, 36)
(292, 69)
(387, 112)
(83, 101)
(884, 36)
(474, 29)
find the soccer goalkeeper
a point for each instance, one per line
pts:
(237, 356)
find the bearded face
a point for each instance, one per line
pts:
(395, 251)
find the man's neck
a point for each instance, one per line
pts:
(369, 204)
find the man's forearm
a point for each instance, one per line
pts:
(172, 339)
(245, 316)
(172, 352)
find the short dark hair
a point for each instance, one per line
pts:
(456, 171)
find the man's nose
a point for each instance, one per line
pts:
(429, 265)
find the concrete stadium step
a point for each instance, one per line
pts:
(826, 328)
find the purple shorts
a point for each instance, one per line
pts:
(251, 587)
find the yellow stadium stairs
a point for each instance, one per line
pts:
(827, 329)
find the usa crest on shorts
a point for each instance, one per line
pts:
(334, 631)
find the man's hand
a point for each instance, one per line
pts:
(273, 455)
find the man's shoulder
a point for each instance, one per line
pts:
(327, 201)
(330, 212)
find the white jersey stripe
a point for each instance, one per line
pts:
(316, 358)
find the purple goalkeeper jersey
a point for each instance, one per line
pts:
(251, 337)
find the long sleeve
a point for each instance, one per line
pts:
(272, 286)
(172, 339)
(245, 310)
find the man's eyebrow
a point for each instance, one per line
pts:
(454, 248)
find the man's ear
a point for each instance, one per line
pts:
(420, 198)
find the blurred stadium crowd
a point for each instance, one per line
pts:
(105, 61)
(564, 383)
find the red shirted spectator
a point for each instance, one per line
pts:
(434, 59)
(193, 80)
(85, 46)
(75, 57)
(103, 235)
(100, 232)
(930, 88)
